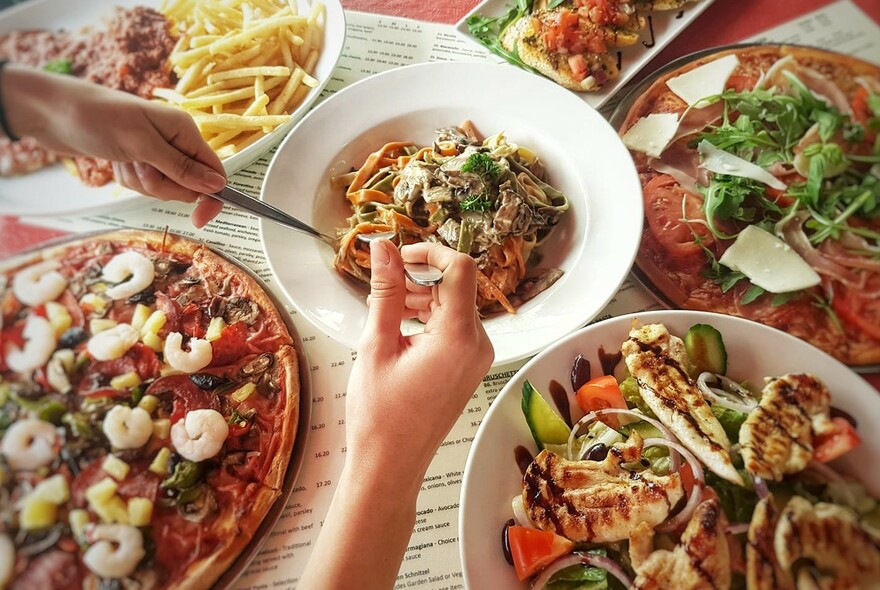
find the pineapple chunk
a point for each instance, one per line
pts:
(66, 357)
(98, 287)
(140, 316)
(215, 328)
(54, 490)
(58, 316)
(140, 511)
(153, 341)
(162, 428)
(111, 510)
(101, 491)
(96, 302)
(159, 464)
(169, 370)
(115, 467)
(244, 392)
(79, 519)
(100, 324)
(125, 381)
(37, 514)
(149, 403)
(154, 323)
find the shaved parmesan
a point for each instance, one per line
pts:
(768, 262)
(718, 161)
(652, 134)
(707, 80)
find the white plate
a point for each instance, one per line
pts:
(53, 190)
(594, 243)
(492, 478)
(666, 25)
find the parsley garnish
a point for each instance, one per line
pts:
(59, 66)
(481, 202)
(482, 164)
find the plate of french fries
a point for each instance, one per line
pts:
(246, 70)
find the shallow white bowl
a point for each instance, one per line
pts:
(754, 351)
(594, 244)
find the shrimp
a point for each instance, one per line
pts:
(117, 550)
(112, 343)
(132, 271)
(39, 283)
(29, 444)
(7, 560)
(198, 357)
(128, 428)
(200, 435)
(39, 336)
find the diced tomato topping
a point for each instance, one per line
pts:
(191, 321)
(599, 394)
(533, 549)
(828, 447)
(230, 346)
(578, 66)
(862, 113)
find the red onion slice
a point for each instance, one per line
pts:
(761, 487)
(600, 561)
(697, 469)
(730, 395)
(520, 514)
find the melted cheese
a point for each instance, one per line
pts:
(768, 262)
(718, 161)
(707, 80)
(652, 134)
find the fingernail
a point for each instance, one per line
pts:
(379, 252)
(212, 181)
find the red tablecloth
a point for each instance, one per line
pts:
(726, 21)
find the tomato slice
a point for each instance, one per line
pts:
(663, 210)
(601, 393)
(687, 478)
(533, 549)
(739, 82)
(857, 311)
(828, 447)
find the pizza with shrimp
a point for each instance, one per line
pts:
(149, 397)
(761, 174)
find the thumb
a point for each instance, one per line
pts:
(387, 290)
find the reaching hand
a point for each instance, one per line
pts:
(406, 392)
(155, 149)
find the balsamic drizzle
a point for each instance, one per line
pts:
(650, 43)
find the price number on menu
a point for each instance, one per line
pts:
(320, 454)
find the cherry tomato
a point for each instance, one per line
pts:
(601, 393)
(828, 447)
(533, 550)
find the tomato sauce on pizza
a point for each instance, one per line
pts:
(149, 397)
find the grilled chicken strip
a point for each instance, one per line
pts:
(598, 501)
(762, 567)
(777, 437)
(829, 536)
(658, 361)
(700, 561)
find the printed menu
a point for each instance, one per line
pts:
(376, 43)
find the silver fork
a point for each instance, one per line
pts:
(420, 274)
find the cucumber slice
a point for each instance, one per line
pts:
(705, 350)
(546, 425)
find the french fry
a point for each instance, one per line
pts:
(242, 65)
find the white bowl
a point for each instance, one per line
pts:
(492, 478)
(594, 244)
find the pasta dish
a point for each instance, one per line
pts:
(486, 198)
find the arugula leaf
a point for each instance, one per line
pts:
(489, 31)
(554, 3)
(783, 298)
(753, 293)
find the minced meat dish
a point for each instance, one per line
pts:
(129, 54)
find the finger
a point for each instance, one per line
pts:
(126, 176)
(387, 291)
(458, 291)
(183, 156)
(160, 186)
(206, 210)
(419, 301)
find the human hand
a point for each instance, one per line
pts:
(406, 392)
(155, 149)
